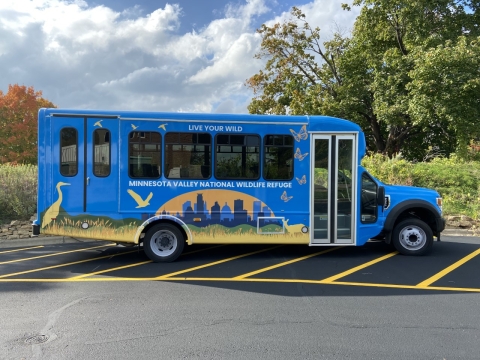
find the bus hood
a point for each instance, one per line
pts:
(396, 194)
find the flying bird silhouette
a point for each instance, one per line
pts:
(163, 127)
(134, 127)
(98, 123)
(138, 199)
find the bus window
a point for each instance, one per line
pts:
(237, 157)
(69, 149)
(368, 205)
(144, 154)
(278, 157)
(101, 153)
(187, 155)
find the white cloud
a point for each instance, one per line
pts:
(85, 56)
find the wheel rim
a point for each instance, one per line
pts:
(412, 237)
(163, 243)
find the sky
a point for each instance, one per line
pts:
(151, 55)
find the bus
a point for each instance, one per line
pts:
(167, 180)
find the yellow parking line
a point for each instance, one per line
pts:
(108, 270)
(54, 254)
(136, 264)
(447, 270)
(66, 264)
(29, 248)
(298, 281)
(215, 263)
(355, 269)
(284, 263)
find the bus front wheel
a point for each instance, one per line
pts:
(163, 243)
(412, 237)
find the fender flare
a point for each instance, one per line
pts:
(163, 217)
(405, 205)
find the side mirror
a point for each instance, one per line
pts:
(381, 196)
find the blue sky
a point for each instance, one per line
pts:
(183, 55)
(196, 14)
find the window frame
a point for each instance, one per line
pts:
(232, 145)
(109, 153)
(264, 157)
(76, 151)
(159, 150)
(179, 133)
(367, 175)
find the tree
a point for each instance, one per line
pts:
(375, 77)
(18, 123)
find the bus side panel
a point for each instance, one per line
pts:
(219, 210)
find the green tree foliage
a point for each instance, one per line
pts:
(408, 74)
(18, 124)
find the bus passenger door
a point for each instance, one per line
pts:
(68, 145)
(333, 189)
(85, 166)
(101, 180)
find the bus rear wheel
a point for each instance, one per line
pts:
(163, 243)
(412, 237)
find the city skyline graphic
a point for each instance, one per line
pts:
(225, 207)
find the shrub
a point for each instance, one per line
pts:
(18, 192)
(457, 181)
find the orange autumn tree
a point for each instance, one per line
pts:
(18, 123)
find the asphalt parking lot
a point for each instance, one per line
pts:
(451, 266)
(86, 300)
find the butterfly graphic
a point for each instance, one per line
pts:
(284, 197)
(298, 155)
(301, 135)
(302, 181)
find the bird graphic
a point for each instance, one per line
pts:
(138, 199)
(53, 211)
(134, 127)
(302, 181)
(298, 155)
(163, 127)
(285, 198)
(301, 135)
(98, 123)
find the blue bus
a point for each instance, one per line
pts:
(169, 179)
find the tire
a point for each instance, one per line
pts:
(163, 243)
(412, 237)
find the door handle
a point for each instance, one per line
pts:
(88, 180)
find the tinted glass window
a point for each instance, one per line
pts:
(237, 157)
(69, 152)
(101, 152)
(278, 157)
(369, 199)
(187, 155)
(144, 154)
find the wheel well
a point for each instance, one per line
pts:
(420, 213)
(163, 221)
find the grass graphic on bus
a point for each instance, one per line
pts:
(93, 227)
(241, 218)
